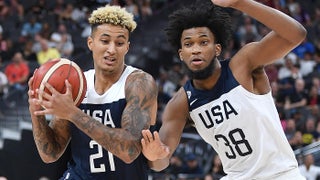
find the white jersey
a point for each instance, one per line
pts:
(243, 128)
(115, 93)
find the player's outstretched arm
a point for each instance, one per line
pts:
(286, 33)
(174, 118)
(51, 140)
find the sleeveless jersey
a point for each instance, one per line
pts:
(89, 159)
(243, 128)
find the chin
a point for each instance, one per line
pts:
(202, 73)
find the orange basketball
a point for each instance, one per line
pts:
(55, 72)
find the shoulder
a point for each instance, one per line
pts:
(179, 100)
(89, 73)
(139, 79)
(53, 50)
(139, 75)
(180, 95)
(177, 108)
(8, 66)
(25, 65)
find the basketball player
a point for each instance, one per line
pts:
(105, 131)
(229, 101)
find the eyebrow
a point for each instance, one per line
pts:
(201, 36)
(119, 36)
(204, 35)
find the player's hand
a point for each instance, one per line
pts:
(33, 105)
(60, 105)
(225, 3)
(152, 147)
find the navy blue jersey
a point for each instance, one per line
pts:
(89, 159)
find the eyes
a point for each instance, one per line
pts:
(118, 43)
(191, 43)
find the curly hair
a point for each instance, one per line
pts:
(199, 14)
(114, 15)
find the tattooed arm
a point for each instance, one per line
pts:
(51, 140)
(139, 114)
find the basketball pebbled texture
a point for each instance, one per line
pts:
(55, 72)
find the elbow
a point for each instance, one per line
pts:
(130, 155)
(127, 151)
(47, 159)
(301, 34)
(129, 158)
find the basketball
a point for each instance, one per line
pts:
(55, 72)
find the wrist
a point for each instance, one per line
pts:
(73, 114)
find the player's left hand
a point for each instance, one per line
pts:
(152, 147)
(56, 103)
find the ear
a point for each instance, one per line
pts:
(128, 47)
(89, 42)
(218, 49)
(180, 54)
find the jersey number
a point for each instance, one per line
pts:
(238, 143)
(98, 155)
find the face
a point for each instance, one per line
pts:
(309, 159)
(198, 51)
(17, 57)
(109, 45)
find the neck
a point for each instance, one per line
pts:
(104, 80)
(209, 82)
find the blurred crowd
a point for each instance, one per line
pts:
(31, 33)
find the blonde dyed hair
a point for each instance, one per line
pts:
(114, 15)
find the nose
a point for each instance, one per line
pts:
(111, 48)
(196, 49)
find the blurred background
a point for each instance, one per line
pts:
(33, 31)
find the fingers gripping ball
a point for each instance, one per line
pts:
(55, 72)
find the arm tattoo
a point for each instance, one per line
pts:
(141, 94)
(141, 97)
(46, 140)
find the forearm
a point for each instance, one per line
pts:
(119, 141)
(273, 19)
(48, 147)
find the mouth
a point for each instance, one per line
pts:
(197, 61)
(109, 60)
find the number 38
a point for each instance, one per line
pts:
(235, 141)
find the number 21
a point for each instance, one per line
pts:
(99, 154)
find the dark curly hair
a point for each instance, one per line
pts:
(199, 14)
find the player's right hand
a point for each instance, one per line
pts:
(152, 147)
